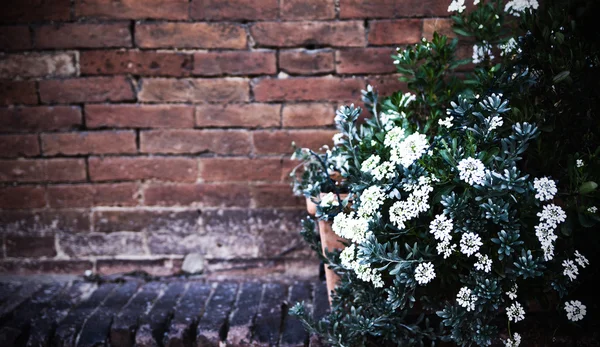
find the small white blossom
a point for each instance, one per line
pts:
(545, 188)
(515, 312)
(441, 227)
(465, 298)
(470, 243)
(552, 215)
(515, 7)
(575, 310)
(394, 137)
(484, 263)
(370, 201)
(407, 97)
(385, 170)
(457, 6)
(351, 227)
(446, 122)
(445, 248)
(475, 2)
(416, 203)
(348, 257)
(329, 200)
(471, 170)
(512, 293)
(580, 163)
(337, 138)
(514, 342)
(370, 164)
(592, 209)
(481, 52)
(424, 273)
(388, 118)
(509, 47)
(581, 260)
(494, 122)
(548, 249)
(409, 150)
(570, 270)
(367, 274)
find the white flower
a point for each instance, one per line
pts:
(514, 7)
(509, 47)
(441, 227)
(370, 164)
(350, 227)
(470, 243)
(552, 215)
(445, 248)
(570, 270)
(417, 202)
(394, 137)
(575, 310)
(475, 2)
(446, 122)
(409, 150)
(480, 52)
(457, 6)
(579, 163)
(348, 257)
(512, 293)
(329, 200)
(388, 118)
(484, 263)
(367, 274)
(385, 170)
(407, 97)
(545, 188)
(494, 123)
(515, 312)
(471, 170)
(581, 260)
(370, 200)
(424, 273)
(337, 138)
(592, 209)
(548, 249)
(466, 299)
(514, 342)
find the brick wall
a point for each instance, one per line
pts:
(133, 132)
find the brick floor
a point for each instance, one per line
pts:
(169, 312)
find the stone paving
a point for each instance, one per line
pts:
(169, 312)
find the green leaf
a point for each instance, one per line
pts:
(561, 76)
(461, 32)
(588, 187)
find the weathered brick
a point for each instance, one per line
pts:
(190, 35)
(44, 222)
(34, 10)
(119, 243)
(143, 63)
(18, 92)
(394, 32)
(15, 38)
(98, 142)
(308, 115)
(307, 62)
(307, 89)
(387, 84)
(307, 9)
(195, 141)
(320, 304)
(88, 195)
(143, 168)
(133, 9)
(421, 8)
(212, 195)
(154, 267)
(153, 325)
(228, 235)
(40, 118)
(148, 221)
(364, 61)
(83, 35)
(40, 267)
(235, 63)
(215, 317)
(37, 65)
(19, 145)
(278, 229)
(22, 197)
(293, 34)
(242, 316)
(30, 246)
(367, 8)
(234, 9)
(442, 25)
(293, 332)
(89, 89)
(275, 195)
(278, 142)
(240, 169)
(15, 300)
(42, 170)
(187, 314)
(224, 90)
(139, 116)
(245, 115)
(267, 323)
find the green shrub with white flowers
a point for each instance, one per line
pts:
(454, 229)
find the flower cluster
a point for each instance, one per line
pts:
(410, 149)
(370, 201)
(465, 298)
(575, 310)
(351, 227)
(350, 261)
(515, 312)
(545, 188)
(471, 170)
(550, 217)
(515, 7)
(424, 273)
(514, 342)
(416, 203)
(470, 243)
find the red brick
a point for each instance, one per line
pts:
(278, 142)
(421, 8)
(42, 170)
(133, 9)
(89, 89)
(136, 63)
(307, 9)
(150, 221)
(113, 244)
(245, 115)
(88, 195)
(37, 267)
(275, 195)
(367, 8)
(364, 61)
(294, 34)
(83, 35)
(223, 90)
(143, 168)
(235, 63)
(30, 246)
(99, 142)
(44, 222)
(154, 267)
(304, 62)
(19, 145)
(14, 38)
(34, 10)
(22, 197)
(240, 169)
(394, 32)
(211, 195)
(37, 65)
(442, 25)
(386, 85)
(18, 92)
(307, 89)
(234, 9)
(190, 35)
(308, 115)
(39, 118)
(195, 141)
(139, 116)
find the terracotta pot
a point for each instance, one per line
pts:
(311, 207)
(330, 241)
